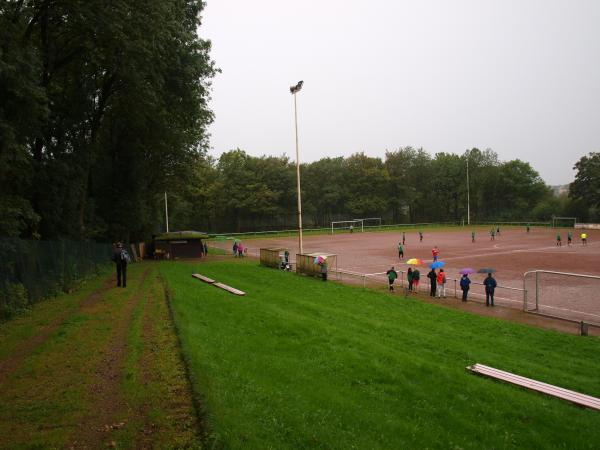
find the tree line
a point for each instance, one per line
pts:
(240, 192)
(103, 106)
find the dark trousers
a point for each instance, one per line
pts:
(410, 285)
(121, 274)
(432, 291)
(465, 293)
(391, 282)
(489, 297)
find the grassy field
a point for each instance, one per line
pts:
(97, 368)
(298, 363)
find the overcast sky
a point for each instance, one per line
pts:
(521, 77)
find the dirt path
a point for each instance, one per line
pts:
(111, 411)
(15, 360)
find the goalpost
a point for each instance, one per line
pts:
(564, 222)
(346, 224)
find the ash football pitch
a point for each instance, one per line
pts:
(512, 253)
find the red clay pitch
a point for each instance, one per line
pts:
(512, 253)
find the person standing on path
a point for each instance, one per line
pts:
(490, 284)
(558, 240)
(441, 284)
(420, 236)
(392, 275)
(403, 238)
(584, 238)
(465, 283)
(400, 251)
(492, 235)
(409, 278)
(432, 282)
(121, 258)
(569, 238)
(416, 275)
(472, 236)
(435, 252)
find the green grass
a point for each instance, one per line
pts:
(298, 363)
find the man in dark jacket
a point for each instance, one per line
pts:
(432, 281)
(490, 285)
(465, 284)
(120, 259)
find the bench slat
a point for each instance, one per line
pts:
(203, 278)
(229, 289)
(555, 391)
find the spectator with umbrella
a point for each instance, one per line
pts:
(465, 282)
(441, 283)
(490, 285)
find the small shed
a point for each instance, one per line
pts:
(180, 244)
(305, 263)
(272, 257)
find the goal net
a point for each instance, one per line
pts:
(560, 294)
(370, 222)
(564, 222)
(346, 225)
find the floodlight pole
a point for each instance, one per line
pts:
(468, 193)
(166, 212)
(295, 91)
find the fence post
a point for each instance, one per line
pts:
(537, 290)
(583, 328)
(364, 281)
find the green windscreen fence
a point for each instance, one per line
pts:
(33, 270)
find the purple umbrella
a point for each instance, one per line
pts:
(466, 271)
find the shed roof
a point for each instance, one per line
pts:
(176, 235)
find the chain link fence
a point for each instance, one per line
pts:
(33, 270)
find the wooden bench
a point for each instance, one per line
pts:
(219, 285)
(229, 289)
(203, 278)
(586, 401)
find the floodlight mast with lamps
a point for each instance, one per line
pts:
(294, 90)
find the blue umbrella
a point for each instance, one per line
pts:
(437, 264)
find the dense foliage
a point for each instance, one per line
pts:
(102, 105)
(240, 192)
(585, 190)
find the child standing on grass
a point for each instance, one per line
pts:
(441, 284)
(392, 275)
(416, 275)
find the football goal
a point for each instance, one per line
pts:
(370, 222)
(347, 225)
(564, 222)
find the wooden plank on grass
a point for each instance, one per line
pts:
(203, 278)
(534, 385)
(229, 289)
